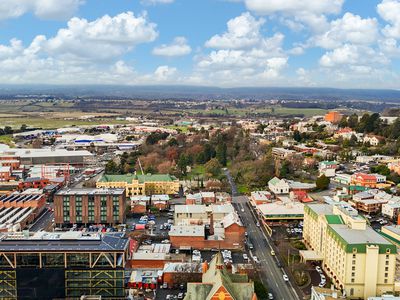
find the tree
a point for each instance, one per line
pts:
(297, 136)
(8, 130)
(213, 168)
(221, 154)
(173, 142)
(23, 127)
(322, 182)
(111, 167)
(352, 121)
(183, 163)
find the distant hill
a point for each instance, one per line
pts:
(199, 93)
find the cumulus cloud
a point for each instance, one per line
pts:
(389, 10)
(348, 29)
(242, 55)
(101, 39)
(353, 55)
(243, 31)
(178, 47)
(309, 12)
(44, 9)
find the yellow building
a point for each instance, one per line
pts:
(357, 259)
(150, 184)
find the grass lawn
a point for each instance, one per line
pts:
(183, 129)
(7, 139)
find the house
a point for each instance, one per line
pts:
(373, 140)
(282, 153)
(363, 179)
(327, 168)
(278, 186)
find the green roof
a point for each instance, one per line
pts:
(274, 181)
(327, 162)
(334, 219)
(142, 178)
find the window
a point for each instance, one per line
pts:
(386, 274)
(387, 256)
(354, 256)
(353, 274)
(385, 281)
(353, 268)
(352, 280)
(386, 269)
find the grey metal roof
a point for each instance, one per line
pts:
(112, 241)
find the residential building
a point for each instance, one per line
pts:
(333, 117)
(327, 168)
(283, 153)
(278, 186)
(5, 173)
(60, 265)
(357, 259)
(218, 283)
(88, 206)
(160, 202)
(373, 140)
(363, 179)
(149, 184)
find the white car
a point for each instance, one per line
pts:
(258, 224)
(322, 284)
(255, 258)
(245, 257)
(285, 277)
(318, 268)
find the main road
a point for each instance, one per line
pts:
(270, 274)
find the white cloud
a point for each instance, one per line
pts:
(164, 73)
(243, 31)
(155, 2)
(44, 9)
(389, 10)
(348, 29)
(309, 12)
(178, 47)
(353, 55)
(102, 39)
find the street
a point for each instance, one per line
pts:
(270, 274)
(43, 221)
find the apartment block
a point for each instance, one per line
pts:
(358, 260)
(89, 206)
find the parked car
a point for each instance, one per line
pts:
(256, 260)
(165, 285)
(272, 252)
(318, 268)
(245, 257)
(270, 296)
(180, 296)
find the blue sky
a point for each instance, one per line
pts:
(327, 43)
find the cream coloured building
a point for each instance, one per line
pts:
(357, 259)
(149, 184)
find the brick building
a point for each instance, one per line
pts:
(86, 206)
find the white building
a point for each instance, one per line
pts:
(278, 186)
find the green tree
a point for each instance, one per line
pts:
(322, 182)
(111, 167)
(352, 121)
(183, 163)
(221, 154)
(23, 127)
(213, 168)
(297, 136)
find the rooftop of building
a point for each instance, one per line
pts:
(63, 241)
(89, 191)
(187, 230)
(140, 177)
